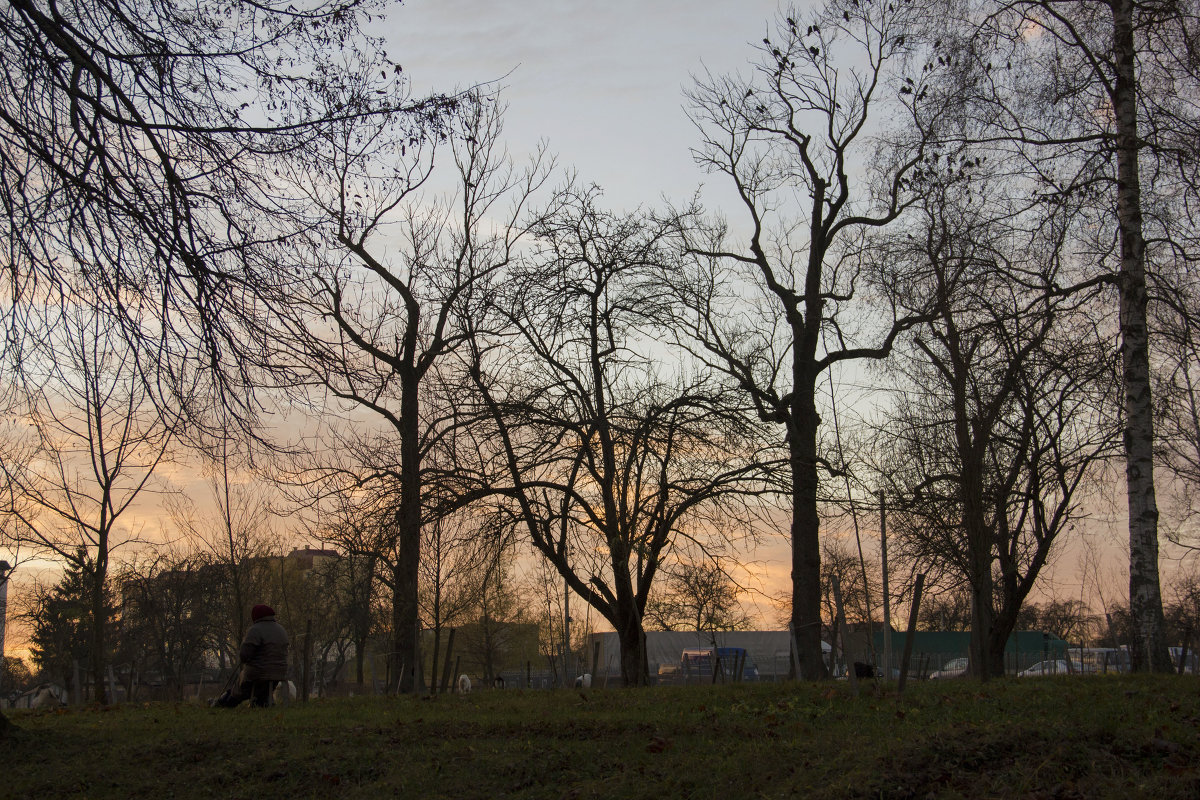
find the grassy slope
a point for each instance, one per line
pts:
(1053, 737)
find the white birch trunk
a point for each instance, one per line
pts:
(1149, 646)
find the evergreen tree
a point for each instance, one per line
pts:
(62, 623)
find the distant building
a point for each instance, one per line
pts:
(769, 651)
(305, 558)
(931, 650)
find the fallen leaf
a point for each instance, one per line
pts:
(658, 744)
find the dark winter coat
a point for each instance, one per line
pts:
(264, 651)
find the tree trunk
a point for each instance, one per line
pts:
(362, 619)
(437, 652)
(983, 654)
(979, 544)
(99, 623)
(627, 620)
(489, 666)
(806, 542)
(404, 629)
(235, 560)
(1149, 646)
(635, 670)
(7, 729)
(405, 612)
(803, 423)
(359, 658)
(1003, 624)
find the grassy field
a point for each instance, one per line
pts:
(1110, 737)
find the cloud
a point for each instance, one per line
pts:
(601, 82)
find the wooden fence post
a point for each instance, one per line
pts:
(797, 672)
(307, 651)
(841, 632)
(1183, 651)
(419, 688)
(446, 676)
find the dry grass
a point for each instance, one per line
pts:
(1112, 737)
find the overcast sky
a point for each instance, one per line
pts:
(601, 82)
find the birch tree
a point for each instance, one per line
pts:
(1095, 93)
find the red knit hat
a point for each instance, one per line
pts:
(260, 611)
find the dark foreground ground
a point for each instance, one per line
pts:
(1067, 737)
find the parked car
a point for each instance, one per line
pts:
(1055, 667)
(954, 668)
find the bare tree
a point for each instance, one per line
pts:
(609, 449)
(352, 526)
(1183, 609)
(1035, 73)
(948, 610)
(500, 610)
(379, 276)
(1070, 620)
(167, 622)
(95, 442)
(542, 582)
(130, 130)
(462, 553)
(1177, 403)
(238, 529)
(859, 583)
(776, 312)
(1005, 413)
(698, 596)
(349, 582)
(133, 131)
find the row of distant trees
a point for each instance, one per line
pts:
(175, 620)
(949, 607)
(976, 212)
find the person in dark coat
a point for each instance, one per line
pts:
(264, 660)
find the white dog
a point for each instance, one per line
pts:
(464, 684)
(285, 691)
(47, 695)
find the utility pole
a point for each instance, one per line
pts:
(887, 601)
(5, 571)
(566, 631)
